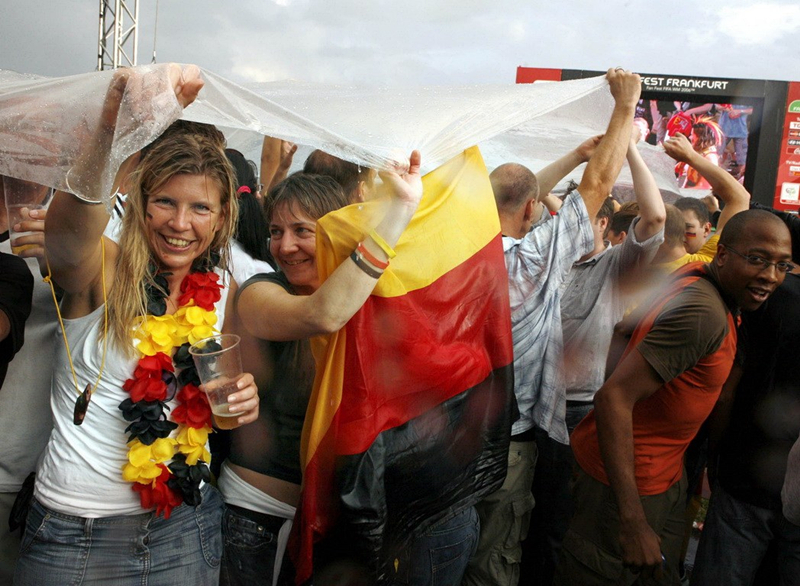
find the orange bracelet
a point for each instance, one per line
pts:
(371, 257)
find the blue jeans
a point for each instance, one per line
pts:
(575, 414)
(735, 539)
(439, 557)
(250, 550)
(139, 550)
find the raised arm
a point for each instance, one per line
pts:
(702, 109)
(271, 313)
(276, 158)
(651, 205)
(606, 162)
(733, 194)
(72, 236)
(551, 202)
(632, 381)
(74, 227)
(549, 177)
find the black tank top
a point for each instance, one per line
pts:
(271, 444)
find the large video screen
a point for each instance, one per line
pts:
(753, 113)
(719, 131)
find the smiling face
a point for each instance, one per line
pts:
(293, 245)
(750, 285)
(181, 219)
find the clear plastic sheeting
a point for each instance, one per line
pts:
(663, 169)
(50, 127)
(376, 126)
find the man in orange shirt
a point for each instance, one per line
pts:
(630, 489)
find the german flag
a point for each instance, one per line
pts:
(410, 416)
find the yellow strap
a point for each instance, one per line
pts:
(382, 244)
(48, 279)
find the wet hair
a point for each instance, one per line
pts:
(606, 210)
(251, 226)
(245, 170)
(695, 205)
(674, 227)
(513, 184)
(182, 128)
(345, 173)
(185, 148)
(313, 195)
(571, 186)
(738, 227)
(621, 221)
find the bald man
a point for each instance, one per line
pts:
(630, 488)
(539, 252)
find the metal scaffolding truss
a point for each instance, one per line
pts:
(118, 34)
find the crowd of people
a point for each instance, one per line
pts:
(718, 132)
(651, 342)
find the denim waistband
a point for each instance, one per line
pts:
(137, 519)
(270, 523)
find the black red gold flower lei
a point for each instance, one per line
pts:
(167, 471)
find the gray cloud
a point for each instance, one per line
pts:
(418, 42)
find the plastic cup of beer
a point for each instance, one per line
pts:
(219, 365)
(21, 197)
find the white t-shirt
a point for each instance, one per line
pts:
(81, 469)
(244, 266)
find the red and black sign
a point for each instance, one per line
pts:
(787, 188)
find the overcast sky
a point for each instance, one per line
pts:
(416, 42)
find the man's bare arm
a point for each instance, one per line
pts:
(730, 191)
(549, 177)
(651, 205)
(632, 381)
(276, 159)
(606, 162)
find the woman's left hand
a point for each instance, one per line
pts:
(405, 181)
(244, 402)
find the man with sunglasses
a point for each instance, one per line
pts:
(630, 487)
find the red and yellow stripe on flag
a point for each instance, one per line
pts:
(412, 404)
